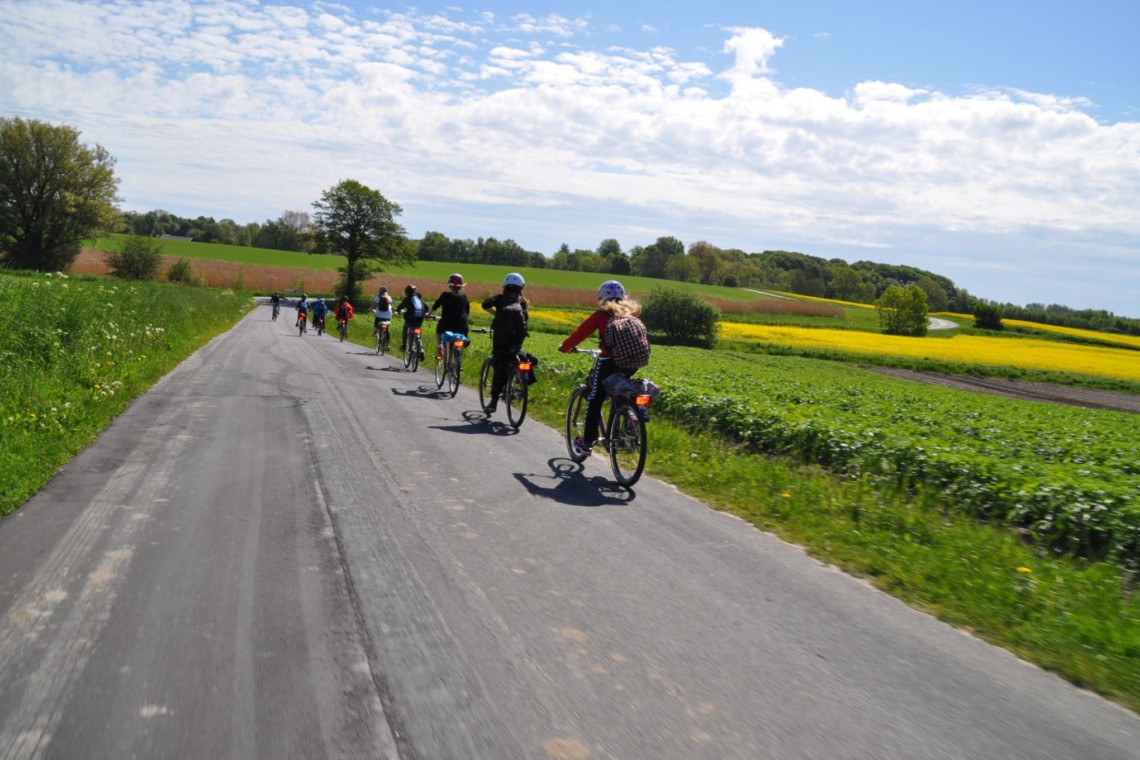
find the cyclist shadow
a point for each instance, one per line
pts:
(568, 484)
(475, 421)
(392, 368)
(423, 391)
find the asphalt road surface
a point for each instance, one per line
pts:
(294, 548)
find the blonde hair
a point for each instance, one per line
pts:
(626, 307)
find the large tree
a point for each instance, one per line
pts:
(55, 193)
(357, 222)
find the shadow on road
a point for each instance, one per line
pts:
(476, 421)
(568, 484)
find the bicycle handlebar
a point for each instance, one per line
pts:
(594, 352)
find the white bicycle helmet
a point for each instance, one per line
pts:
(611, 290)
(514, 278)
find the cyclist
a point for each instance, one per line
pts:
(414, 310)
(343, 311)
(509, 325)
(454, 310)
(320, 311)
(611, 303)
(275, 302)
(302, 309)
(381, 308)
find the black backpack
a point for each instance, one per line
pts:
(510, 324)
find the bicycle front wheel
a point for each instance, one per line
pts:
(485, 377)
(516, 397)
(440, 366)
(627, 443)
(454, 368)
(575, 421)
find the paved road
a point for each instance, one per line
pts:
(293, 548)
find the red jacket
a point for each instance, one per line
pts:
(343, 311)
(595, 322)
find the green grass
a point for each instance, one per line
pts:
(76, 351)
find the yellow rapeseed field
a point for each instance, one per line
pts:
(1025, 353)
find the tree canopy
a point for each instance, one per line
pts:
(357, 222)
(55, 193)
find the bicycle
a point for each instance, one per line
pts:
(302, 323)
(515, 392)
(414, 349)
(623, 430)
(319, 323)
(449, 360)
(342, 328)
(383, 337)
(276, 311)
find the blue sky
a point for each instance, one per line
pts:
(995, 143)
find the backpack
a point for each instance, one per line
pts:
(628, 342)
(417, 305)
(510, 324)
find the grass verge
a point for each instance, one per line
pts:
(77, 350)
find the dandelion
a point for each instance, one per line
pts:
(786, 495)
(1024, 569)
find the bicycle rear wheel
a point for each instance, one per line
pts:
(417, 349)
(575, 421)
(440, 366)
(627, 443)
(515, 394)
(343, 328)
(409, 349)
(485, 377)
(454, 368)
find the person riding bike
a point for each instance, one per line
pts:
(509, 326)
(414, 309)
(320, 311)
(343, 310)
(454, 310)
(612, 304)
(302, 308)
(275, 302)
(381, 308)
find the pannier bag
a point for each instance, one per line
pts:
(628, 342)
(450, 337)
(528, 375)
(618, 384)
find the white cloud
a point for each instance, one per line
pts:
(457, 112)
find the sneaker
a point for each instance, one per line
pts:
(581, 448)
(491, 407)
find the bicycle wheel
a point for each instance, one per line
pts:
(417, 349)
(440, 366)
(627, 443)
(343, 329)
(454, 368)
(409, 349)
(575, 421)
(485, 377)
(516, 397)
(301, 326)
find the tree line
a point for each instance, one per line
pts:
(55, 192)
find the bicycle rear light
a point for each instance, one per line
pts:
(524, 366)
(457, 343)
(417, 330)
(642, 400)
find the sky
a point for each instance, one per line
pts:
(994, 143)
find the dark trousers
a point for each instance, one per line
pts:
(596, 395)
(502, 356)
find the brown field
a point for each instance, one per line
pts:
(266, 279)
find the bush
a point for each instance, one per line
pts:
(138, 259)
(681, 316)
(902, 311)
(181, 273)
(987, 316)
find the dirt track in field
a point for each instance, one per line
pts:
(1045, 392)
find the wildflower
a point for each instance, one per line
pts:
(786, 495)
(1024, 569)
